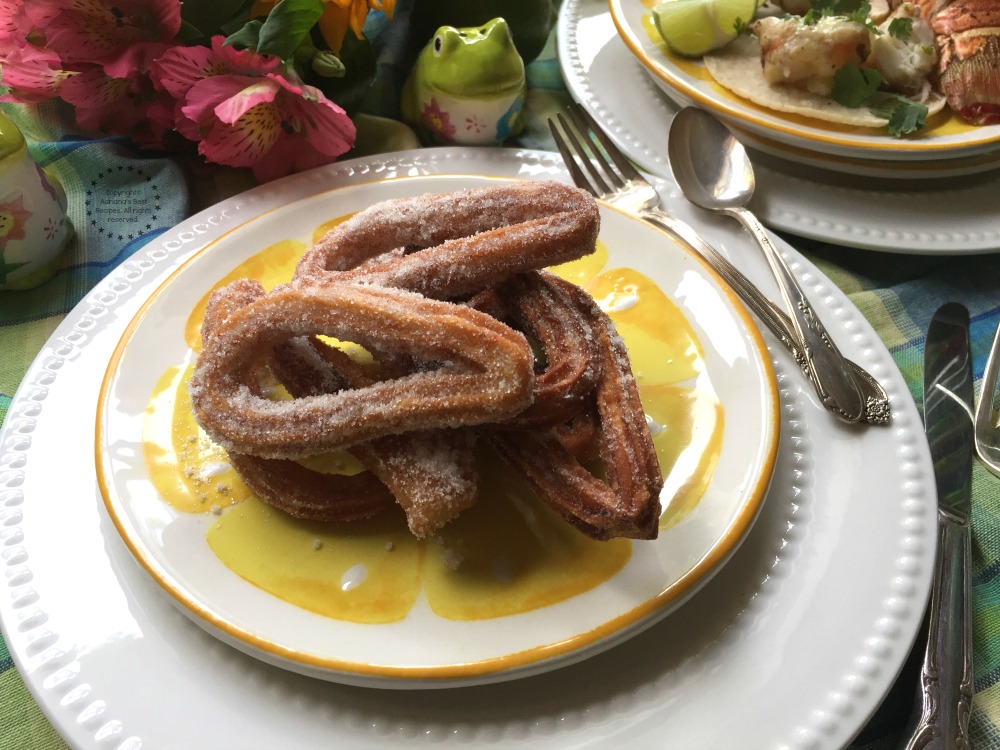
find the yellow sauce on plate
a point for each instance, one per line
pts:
(507, 554)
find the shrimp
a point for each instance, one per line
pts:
(809, 55)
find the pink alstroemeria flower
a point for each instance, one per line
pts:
(244, 114)
(120, 97)
(33, 74)
(16, 27)
(87, 31)
(178, 69)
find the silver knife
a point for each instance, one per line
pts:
(946, 675)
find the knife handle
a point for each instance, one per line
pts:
(946, 675)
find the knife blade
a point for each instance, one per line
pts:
(946, 674)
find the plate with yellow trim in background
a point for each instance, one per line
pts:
(508, 589)
(687, 81)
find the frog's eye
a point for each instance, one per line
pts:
(438, 45)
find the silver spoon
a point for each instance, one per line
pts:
(713, 171)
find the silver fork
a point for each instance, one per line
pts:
(608, 175)
(987, 419)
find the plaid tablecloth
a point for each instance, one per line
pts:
(896, 293)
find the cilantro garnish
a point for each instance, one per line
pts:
(905, 116)
(837, 7)
(863, 16)
(858, 11)
(900, 28)
(854, 86)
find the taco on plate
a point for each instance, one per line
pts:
(789, 64)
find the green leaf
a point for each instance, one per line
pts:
(191, 34)
(854, 85)
(246, 37)
(901, 28)
(6, 268)
(905, 116)
(838, 7)
(288, 23)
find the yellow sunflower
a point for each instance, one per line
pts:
(337, 16)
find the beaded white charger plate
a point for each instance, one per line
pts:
(115, 664)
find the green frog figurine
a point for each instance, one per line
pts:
(34, 229)
(467, 87)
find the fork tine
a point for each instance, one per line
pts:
(587, 134)
(610, 148)
(579, 178)
(585, 152)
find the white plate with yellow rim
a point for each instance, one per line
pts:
(367, 604)
(687, 81)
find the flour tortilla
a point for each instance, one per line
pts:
(737, 68)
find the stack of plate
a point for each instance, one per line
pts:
(931, 194)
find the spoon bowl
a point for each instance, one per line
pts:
(712, 167)
(714, 172)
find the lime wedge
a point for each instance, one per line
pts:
(694, 27)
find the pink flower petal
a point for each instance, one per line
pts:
(15, 24)
(33, 74)
(203, 97)
(263, 90)
(127, 106)
(179, 68)
(324, 125)
(136, 59)
(95, 31)
(243, 61)
(245, 143)
(94, 88)
(314, 132)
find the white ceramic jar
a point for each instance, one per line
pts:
(34, 228)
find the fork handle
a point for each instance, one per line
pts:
(833, 380)
(776, 321)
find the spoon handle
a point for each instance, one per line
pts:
(877, 408)
(831, 376)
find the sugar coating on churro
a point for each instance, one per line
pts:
(446, 293)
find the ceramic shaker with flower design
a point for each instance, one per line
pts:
(467, 87)
(34, 229)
